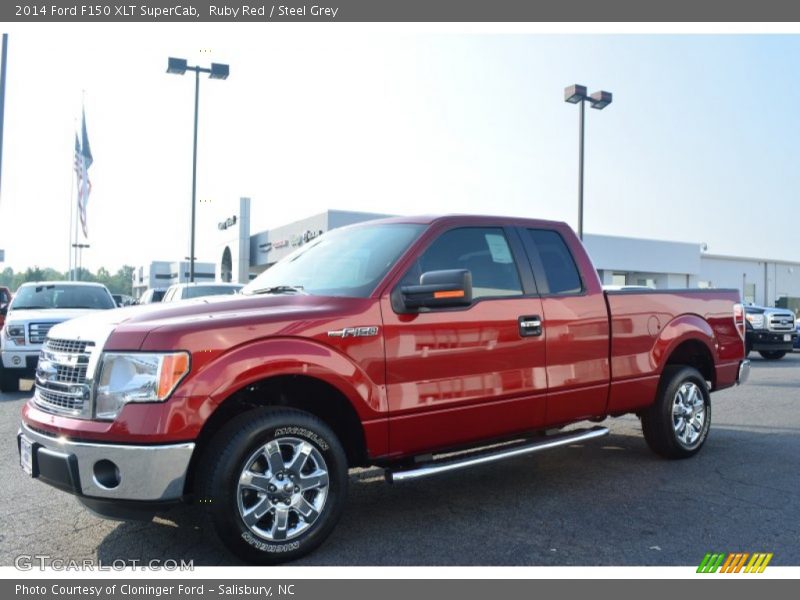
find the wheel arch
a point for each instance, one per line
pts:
(687, 340)
(310, 394)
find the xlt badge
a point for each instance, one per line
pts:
(354, 332)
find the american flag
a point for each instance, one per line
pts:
(83, 160)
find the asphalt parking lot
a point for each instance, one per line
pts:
(608, 502)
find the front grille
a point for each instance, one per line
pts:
(61, 377)
(71, 374)
(37, 332)
(59, 402)
(782, 322)
(69, 346)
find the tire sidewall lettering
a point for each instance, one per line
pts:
(311, 436)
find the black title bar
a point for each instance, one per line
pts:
(344, 11)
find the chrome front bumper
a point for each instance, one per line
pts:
(110, 471)
(744, 372)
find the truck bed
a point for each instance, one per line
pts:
(647, 325)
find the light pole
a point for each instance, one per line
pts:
(576, 94)
(80, 248)
(179, 66)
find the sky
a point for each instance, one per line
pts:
(699, 144)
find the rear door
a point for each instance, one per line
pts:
(575, 321)
(460, 374)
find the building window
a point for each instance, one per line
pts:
(619, 279)
(750, 293)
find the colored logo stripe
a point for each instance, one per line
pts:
(734, 562)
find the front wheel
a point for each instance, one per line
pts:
(772, 354)
(677, 424)
(274, 484)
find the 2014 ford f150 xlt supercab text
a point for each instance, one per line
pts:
(387, 343)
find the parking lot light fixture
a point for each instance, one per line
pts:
(179, 66)
(176, 66)
(219, 71)
(600, 100)
(576, 94)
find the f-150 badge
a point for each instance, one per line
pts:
(354, 332)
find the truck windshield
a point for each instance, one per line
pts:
(343, 262)
(61, 296)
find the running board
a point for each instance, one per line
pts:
(451, 464)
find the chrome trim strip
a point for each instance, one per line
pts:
(564, 439)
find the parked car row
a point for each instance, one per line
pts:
(27, 317)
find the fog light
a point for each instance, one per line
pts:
(16, 361)
(106, 474)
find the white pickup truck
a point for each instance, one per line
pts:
(36, 307)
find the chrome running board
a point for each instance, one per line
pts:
(501, 453)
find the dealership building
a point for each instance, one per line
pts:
(243, 254)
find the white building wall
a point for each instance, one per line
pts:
(772, 279)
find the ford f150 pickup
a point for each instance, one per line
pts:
(420, 345)
(36, 307)
(769, 331)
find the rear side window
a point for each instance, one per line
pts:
(555, 262)
(484, 251)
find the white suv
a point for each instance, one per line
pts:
(36, 307)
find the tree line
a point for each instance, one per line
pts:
(119, 283)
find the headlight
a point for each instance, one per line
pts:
(137, 377)
(757, 321)
(15, 332)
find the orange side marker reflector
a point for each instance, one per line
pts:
(453, 294)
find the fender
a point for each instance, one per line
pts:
(681, 329)
(246, 364)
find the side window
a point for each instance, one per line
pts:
(556, 262)
(484, 251)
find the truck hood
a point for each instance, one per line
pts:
(128, 328)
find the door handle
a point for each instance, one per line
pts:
(530, 325)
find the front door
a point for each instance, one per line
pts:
(457, 375)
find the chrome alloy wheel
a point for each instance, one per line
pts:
(282, 489)
(688, 414)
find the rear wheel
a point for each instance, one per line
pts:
(772, 354)
(677, 424)
(274, 484)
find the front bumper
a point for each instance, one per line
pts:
(21, 361)
(145, 473)
(769, 341)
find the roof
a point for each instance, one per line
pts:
(43, 283)
(464, 219)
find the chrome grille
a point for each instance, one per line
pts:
(59, 402)
(781, 322)
(69, 346)
(61, 377)
(37, 332)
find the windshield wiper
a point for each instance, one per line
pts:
(30, 307)
(281, 289)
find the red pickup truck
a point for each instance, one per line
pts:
(387, 343)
